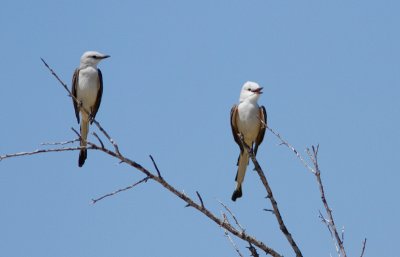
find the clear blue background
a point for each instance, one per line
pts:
(330, 71)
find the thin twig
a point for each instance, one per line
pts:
(363, 247)
(59, 80)
(328, 226)
(298, 155)
(155, 166)
(39, 151)
(98, 138)
(76, 132)
(233, 243)
(314, 158)
(269, 210)
(120, 190)
(232, 215)
(61, 143)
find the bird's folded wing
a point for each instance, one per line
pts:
(235, 131)
(75, 82)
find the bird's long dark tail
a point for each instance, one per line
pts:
(242, 165)
(84, 133)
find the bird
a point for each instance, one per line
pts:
(248, 122)
(87, 90)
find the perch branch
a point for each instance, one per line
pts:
(271, 197)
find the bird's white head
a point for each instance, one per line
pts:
(92, 58)
(251, 91)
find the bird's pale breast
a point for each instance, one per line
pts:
(248, 121)
(88, 87)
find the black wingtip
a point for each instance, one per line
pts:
(82, 157)
(237, 194)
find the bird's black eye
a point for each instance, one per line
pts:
(94, 56)
(249, 89)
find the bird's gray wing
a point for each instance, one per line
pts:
(263, 127)
(75, 82)
(98, 98)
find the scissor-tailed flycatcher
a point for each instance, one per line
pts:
(249, 121)
(87, 88)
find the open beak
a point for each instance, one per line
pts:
(258, 90)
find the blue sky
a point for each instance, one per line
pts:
(330, 75)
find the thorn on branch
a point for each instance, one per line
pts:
(201, 200)
(253, 250)
(269, 210)
(155, 166)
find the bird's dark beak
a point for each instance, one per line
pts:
(258, 90)
(105, 56)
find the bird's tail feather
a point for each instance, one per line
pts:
(84, 133)
(242, 165)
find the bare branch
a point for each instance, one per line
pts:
(327, 223)
(190, 202)
(157, 178)
(271, 197)
(120, 190)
